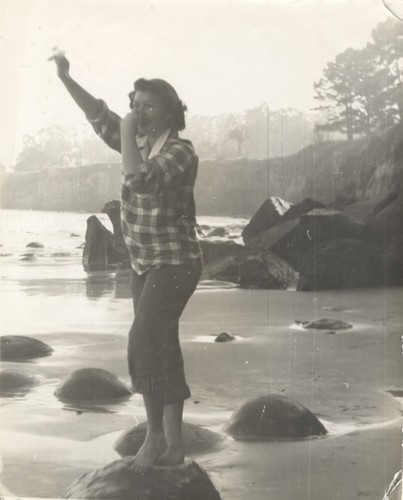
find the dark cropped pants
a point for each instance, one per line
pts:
(154, 354)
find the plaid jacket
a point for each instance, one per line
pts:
(158, 208)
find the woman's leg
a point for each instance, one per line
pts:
(174, 454)
(155, 442)
(185, 282)
(155, 360)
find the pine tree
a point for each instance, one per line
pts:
(387, 49)
(337, 89)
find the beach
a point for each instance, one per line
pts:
(350, 379)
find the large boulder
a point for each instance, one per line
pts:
(267, 216)
(92, 385)
(226, 260)
(303, 207)
(112, 209)
(273, 417)
(218, 250)
(267, 271)
(326, 324)
(222, 259)
(319, 225)
(119, 481)
(347, 263)
(359, 210)
(20, 347)
(385, 202)
(99, 250)
(384, 225)
(277, 239)
(195, 439)
(280, 236)
(14, 382)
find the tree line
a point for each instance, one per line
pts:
(255, 133)
(361, 91)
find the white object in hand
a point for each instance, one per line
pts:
(56, 53)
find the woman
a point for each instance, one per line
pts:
(159, 226)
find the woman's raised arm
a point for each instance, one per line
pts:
(88, 103)
(105, 123)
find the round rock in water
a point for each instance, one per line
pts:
(35, 244)
(119, 480)
(195, 439)
(92, 385)
(218, 231)
(273, 417)
(327, 324)
(13, 382)
(17, 347)
(224, 337)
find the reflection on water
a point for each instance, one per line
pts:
(15, 394)
(216, 284)
(101, 283)
(117, 284)
(85, 408)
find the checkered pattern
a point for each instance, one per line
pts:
(158, 208)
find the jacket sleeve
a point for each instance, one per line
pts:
(107, 126)
(164, 170)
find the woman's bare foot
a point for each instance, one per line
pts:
(171, 456)
(152, 448)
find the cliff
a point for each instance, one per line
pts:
(331, 172)
(82, 189)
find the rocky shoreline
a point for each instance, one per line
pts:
(307, 246)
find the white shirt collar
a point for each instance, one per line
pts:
(158, 145)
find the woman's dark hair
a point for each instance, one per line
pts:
(169, 98)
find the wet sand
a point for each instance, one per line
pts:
(343, 377)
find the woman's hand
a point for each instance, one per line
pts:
(129, 123)
(62, 63)
(131, 156)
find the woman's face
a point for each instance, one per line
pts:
(151, 114)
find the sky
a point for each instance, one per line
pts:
(220, 55)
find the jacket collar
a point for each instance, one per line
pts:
(144, 147)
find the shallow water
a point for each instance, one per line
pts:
(342, 377)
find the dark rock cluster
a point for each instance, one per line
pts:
(331, 249)
(306, 246)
